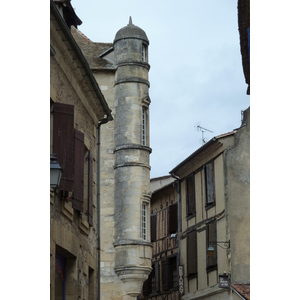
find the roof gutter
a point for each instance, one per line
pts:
(81, 57)
(192, 155)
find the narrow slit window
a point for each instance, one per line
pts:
(144, 127)
(143, 53)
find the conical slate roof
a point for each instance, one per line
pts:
(131, 31)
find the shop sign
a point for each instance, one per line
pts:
(180, 280)
(223, 281)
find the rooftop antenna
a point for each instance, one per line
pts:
(203, 129)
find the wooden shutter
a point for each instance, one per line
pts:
(192, 253)
(190, 193)
(90, 187)
(173, 272)
(173, 219)
(153, 228)
(78, 170)
(157, 288)
(165, 269)
(147, 286)
(211, 236)
(63, 142)
(210, 182)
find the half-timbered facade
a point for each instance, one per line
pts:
(163, 280)
(215, 215)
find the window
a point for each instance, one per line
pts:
(65, 273)
(192, 254)
(75, 159)
(211, 236)
(170, 273)
(60, 276)
(173, 219)
(210, 184)
(144, 126)
(144, 221)
(190, 194)
(144, 53)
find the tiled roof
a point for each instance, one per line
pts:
(92, 50)
(242, 289)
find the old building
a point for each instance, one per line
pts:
(244, 33)
(121, 71)
(76, 108)
(163, 280)
(215, 216)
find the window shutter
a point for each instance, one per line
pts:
(173, 219)
(210, 182)
(153, 228)
(63, 142)
(78, 170)
(157, 288)
(90, 187)
(165, 266)
(190, 194)
(192, 253)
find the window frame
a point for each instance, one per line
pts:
(144, 53)
(211, 238)
(144, 125)
(144, 221)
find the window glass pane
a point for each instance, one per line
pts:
(144, 127)
(144, 221)
(210, 182)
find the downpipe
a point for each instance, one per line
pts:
(101, 122)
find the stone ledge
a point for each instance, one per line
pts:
(67, 210)
(132, 242)
(84, 226)
(132, 164)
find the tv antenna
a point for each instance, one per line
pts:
(203, 130)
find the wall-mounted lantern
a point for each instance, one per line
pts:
(55, 172)
(211, 249)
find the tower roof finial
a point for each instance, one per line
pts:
(130, 21)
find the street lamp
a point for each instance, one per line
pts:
(55, 172)
(210, 249)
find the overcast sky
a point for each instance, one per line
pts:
(196, 75)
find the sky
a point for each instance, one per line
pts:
(196, 76)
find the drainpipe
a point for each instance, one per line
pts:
(178, 212)
(101, 122)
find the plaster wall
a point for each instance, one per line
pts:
(238, 194)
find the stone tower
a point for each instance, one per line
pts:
(133, 249)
